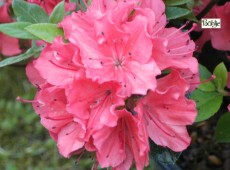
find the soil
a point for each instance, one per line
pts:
(205, 153)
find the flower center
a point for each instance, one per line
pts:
(118, 62)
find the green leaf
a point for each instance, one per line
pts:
(176, 2)
(190, 17)
(204, 75)
(163, 154)
(80, 4)
(12, 60)
(58, 13)
(89, 2)
(190, 5)
(29, 12)
(208, 103)
(222, 133)
(17, 29)
(45, 31)
(176, 12)
(221, 74)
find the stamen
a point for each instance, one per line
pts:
(95, 166)
(25, 101)
(179, 29)
(158, 30)
(205, 81)
(184, 33)
(80, 156)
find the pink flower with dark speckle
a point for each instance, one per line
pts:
(117, 83)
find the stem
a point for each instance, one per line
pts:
(203, 12)
(207, 9)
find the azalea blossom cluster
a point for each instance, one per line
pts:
(118, 80)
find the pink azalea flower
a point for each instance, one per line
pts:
(34, 76)
(159, 14)
(168, 112)
(118, 51)
(191, 78)
(5, 17)
(220, 38)
(71, 139)
(119, 146)
(59, 63)
(8, 45)
(94, 102)
(50, 104)
(174, 49)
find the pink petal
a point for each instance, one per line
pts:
(127, 163)
(34, 76)
(108, 142)
(56, 64)
(174, 137)
(128, 136)
(93, 101)
(221, 37)
(8, 45)
(168, 111)
(140, 42)
(5, 17)
(55, 124)
(158, 7)
(202, 40)
(179, 49)
(70, 139)
(51, 102)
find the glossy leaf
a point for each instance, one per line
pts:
(191, 4)
(176, 2)
(221, 74)
(205, 74)
(208, 103)
(29, 12)
(222, 133)
(176, 12)
(58, 13)
(190, 17)
(45, 31)
(12, 60)
(17, 29)
(80, 4)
